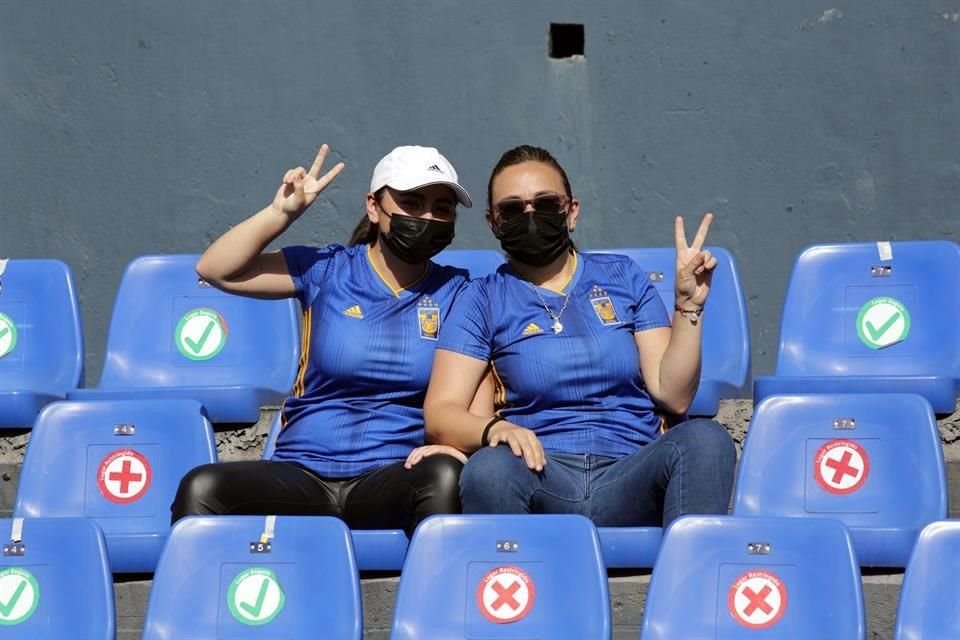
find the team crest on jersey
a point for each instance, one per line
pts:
(354, 312)
(428, 318)
(603, 305)
(532, 329)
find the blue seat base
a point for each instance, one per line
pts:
(19, 407)
(380, 550)
(630, 547)
(223, 404)
(135, 552)
(941, 392)
(883, 547)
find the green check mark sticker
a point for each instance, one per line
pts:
(200, 334)
(19, 595)
(8, 335)
(255, 597)
(883, 322)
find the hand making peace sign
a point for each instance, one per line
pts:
(694, 266)
(300, 187)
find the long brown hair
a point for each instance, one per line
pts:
(365, 232)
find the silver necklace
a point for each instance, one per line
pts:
(557, 326)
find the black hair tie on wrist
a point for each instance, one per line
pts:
(484, 438)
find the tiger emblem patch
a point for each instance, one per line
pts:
(428, 319)
(603, 306)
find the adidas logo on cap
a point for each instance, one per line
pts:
(435, 168)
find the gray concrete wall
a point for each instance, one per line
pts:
(137, 127)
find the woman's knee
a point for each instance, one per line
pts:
(441, 472)
(491, 462)
(197, 493)
(706, 439)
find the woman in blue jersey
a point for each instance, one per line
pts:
(588, 364)
(351, 443)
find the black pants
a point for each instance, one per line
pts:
(390, 497)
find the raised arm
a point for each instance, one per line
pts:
(670, 358)
(235, 262)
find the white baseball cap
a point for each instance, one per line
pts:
(409, 168)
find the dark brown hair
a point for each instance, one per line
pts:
(365, 232)
(519, 155)
(528, 153)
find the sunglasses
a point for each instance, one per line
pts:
(546, 203)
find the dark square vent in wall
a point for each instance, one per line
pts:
(566, 40)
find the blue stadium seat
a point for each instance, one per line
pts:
(118, 463)
(54, 581)
(513, 576)
(855, 322)
(41, 340)
(479, 262)
(376, 549)
(728, 577)
(928, 598)
(232, 577)
(725, 373)
(174, 336)
(873, 461)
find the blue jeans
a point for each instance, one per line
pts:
(687, 470)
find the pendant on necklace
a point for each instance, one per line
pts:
(557, 327)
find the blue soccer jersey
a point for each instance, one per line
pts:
(579, 390)
(367, 350)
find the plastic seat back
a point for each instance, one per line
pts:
(857, 313)
(928, 598)
(873, 461)
(54, 581)
(507, 576)
(725, 371)
(243, 577)
(170, 330)
(730, 578)
(119, 463)
(41, 340)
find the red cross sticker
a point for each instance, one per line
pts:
(757, 599)
(841, 466)
(124, 476)
(505, 594)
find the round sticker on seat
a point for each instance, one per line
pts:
(19, 595)
(505, 595)
(8, 335)
(201, 334)
(883, 322)
(124, 476)
(757, 599)
(841, 466)
(255, 597)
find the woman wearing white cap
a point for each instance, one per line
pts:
(351, 443)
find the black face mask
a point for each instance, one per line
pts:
(416, 240)
(535, 238)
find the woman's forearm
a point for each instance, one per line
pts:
(450, 424)
(233, 253)
(680, 366)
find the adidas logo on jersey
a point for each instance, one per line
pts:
(532, 329)
(354, 312)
